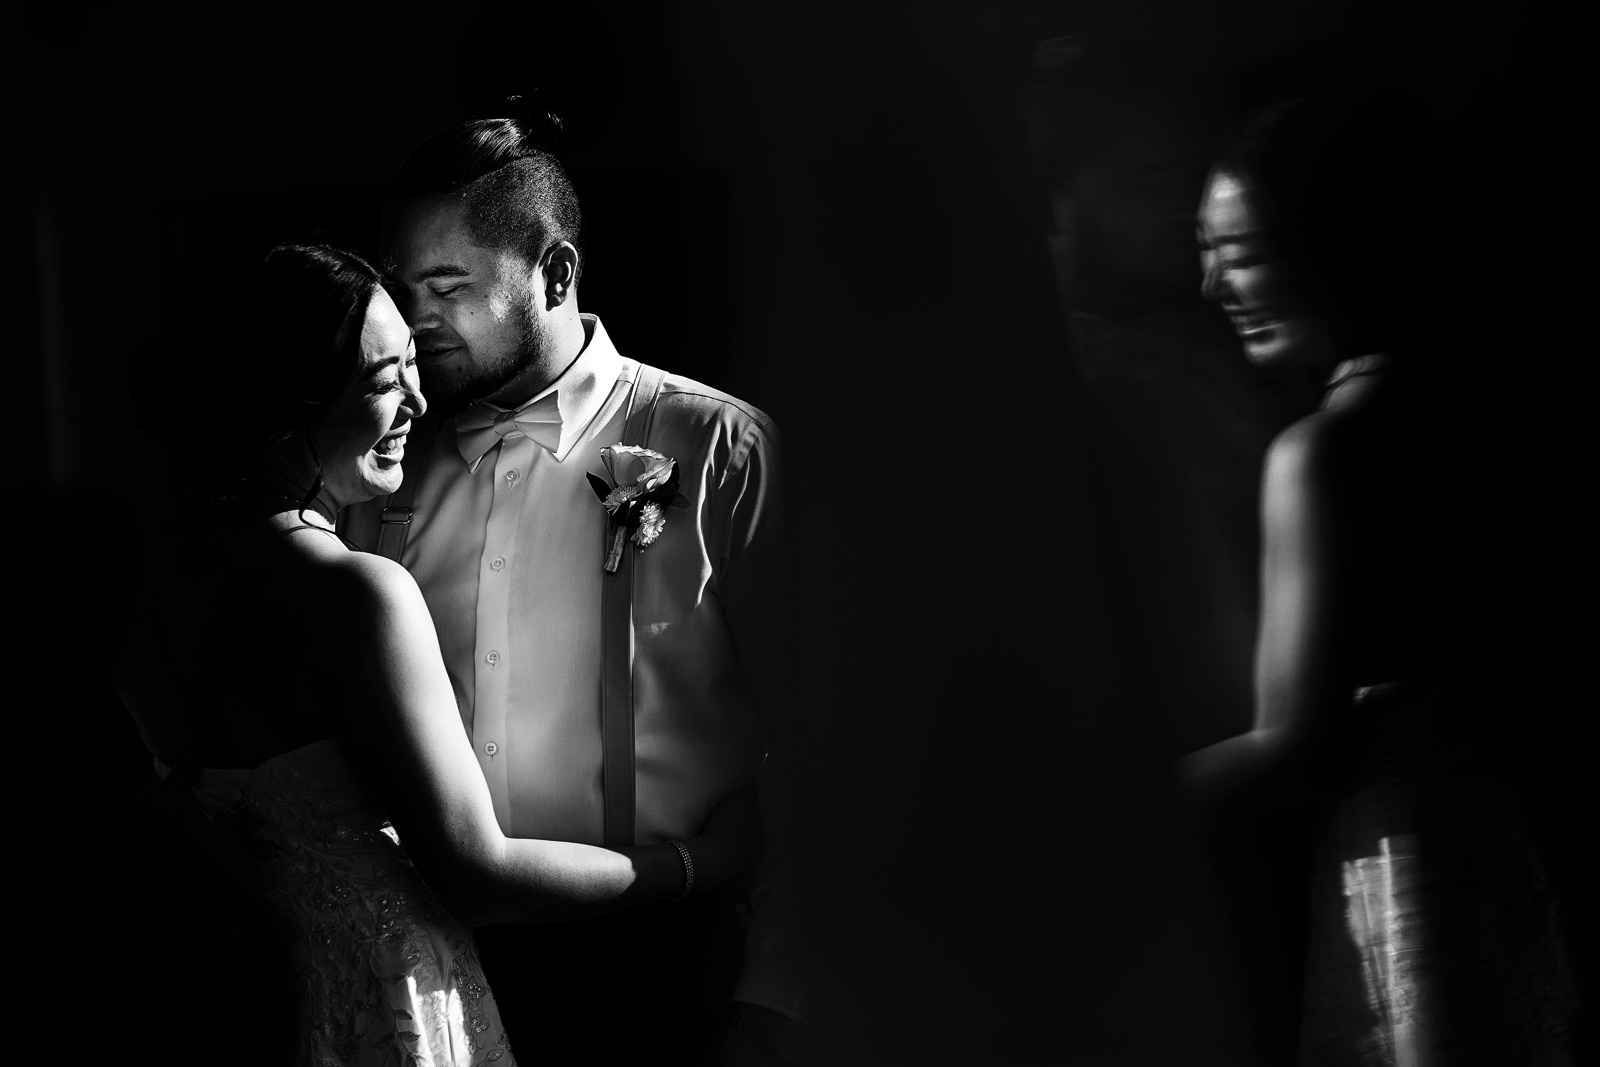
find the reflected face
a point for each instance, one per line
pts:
(473, 309)
(1244, 276)
(361, 438)
(1124, 219)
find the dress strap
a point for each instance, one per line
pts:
(351, 545)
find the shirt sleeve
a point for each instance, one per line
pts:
(753, 582)
(755, 598)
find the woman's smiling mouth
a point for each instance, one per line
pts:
(393, 445)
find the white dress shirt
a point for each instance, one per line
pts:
(509, 555)
(509, 558)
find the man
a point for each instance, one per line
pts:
(518, 560)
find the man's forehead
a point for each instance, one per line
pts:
(418, 226)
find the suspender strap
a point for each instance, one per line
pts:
(394, 521)
(616, 644)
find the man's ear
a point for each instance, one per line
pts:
(560, 273)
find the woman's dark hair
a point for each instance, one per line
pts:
(1375, 210)
(276, 340)
(503, 171)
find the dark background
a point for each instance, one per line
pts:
(821, 209)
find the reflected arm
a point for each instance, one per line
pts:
(1313, 538)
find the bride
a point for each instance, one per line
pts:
(292, 693)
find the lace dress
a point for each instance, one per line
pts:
(384, 976)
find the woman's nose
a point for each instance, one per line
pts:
(1210, 278)
(414, 398)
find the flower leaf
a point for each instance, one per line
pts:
(601, 489)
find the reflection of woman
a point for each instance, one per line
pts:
(1389, 572)
(293, 693)
(1120, 156)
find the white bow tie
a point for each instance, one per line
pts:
(481, 427)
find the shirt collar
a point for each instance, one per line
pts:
(586, 384)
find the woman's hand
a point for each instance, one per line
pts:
(729, 844)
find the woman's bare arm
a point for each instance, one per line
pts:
(1312, 545)
(404, 729)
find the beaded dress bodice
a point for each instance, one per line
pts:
(385, 975)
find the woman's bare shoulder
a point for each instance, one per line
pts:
(363, 581)
(1320, 468)
(1330, 443)
(372, 608)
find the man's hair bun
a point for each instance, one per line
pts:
(540, 127)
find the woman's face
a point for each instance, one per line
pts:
(361, 438)
(1243, 276)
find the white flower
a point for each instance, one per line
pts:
(651, 523)
(620, 496)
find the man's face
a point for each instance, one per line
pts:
(474, 310)
(1124, 219)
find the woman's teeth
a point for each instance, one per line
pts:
(390, 445)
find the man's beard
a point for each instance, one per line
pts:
(455, 391)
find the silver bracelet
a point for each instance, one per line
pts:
(688, 870)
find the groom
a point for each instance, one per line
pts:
(614, 680)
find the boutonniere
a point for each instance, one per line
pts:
(643, 485)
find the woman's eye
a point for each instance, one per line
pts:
(446, 292)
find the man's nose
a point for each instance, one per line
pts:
(416, 308)
(420, 315)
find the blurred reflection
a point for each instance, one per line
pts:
(1392, 706)
(1382, 913)
(1119, 148)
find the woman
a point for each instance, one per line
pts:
(1343, 239)
(293, 693)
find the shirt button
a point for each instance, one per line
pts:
(498, 563)
(512, 476)
(491, 748)
(492, 658)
